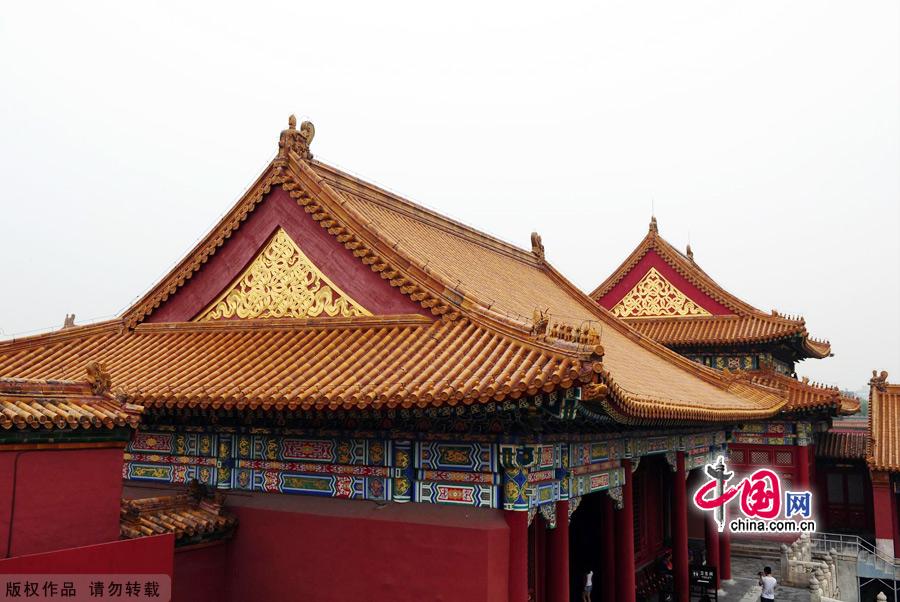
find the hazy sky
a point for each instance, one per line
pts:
(767, 133)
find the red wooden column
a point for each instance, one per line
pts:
(712, 547)
(679, 530)
(606, 581)
(558, 556)
(885, 511)
(725, 555)
(803, 482)
(517, 521)
(625, 577)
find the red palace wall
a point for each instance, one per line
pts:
(200, 573)
(144, 556)
(57, 499)
(321, 550)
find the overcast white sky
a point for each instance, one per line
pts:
(766, 132)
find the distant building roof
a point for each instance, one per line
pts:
(883, 451)
(665, 295)
(842, 444)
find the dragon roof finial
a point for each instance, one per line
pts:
(296, 140)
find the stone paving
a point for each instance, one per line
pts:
(745, 588)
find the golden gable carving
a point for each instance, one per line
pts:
(282, 282)
(656, 297)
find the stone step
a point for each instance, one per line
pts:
(756, 549)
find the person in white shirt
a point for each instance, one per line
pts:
(588, 586)
(768, 584)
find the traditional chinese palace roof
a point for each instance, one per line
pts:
(883, 449)
(321, 291)
(664, 294)
(54, 405)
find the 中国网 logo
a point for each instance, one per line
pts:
(765, 506)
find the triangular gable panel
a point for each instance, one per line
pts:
(655, 297)
(280, 263)
(281, 282)
(653, 289)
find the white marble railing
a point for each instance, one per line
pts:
(802, 567)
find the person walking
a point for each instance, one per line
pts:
(768, 584)
(588, 586)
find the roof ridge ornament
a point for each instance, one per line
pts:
(537, 247)
(879, 381)
(654, 229)
(690, 253)
(296, 140)
(98, 377)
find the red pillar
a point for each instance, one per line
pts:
(558, 556)
(679, 530)
(607, 580)
(712, 546)
(518, 555)
(887, 525)
(725, 555)
(802, 468)
(625, 577)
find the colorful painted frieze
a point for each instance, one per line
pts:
(162, 473)
(475, 457)
(477, 495)
(583, 484)
(336, 451)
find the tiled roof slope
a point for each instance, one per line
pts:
(486, 343)
(883, 449)
(508, 284)
(803, 395)
(61, 405)
(842, 444)
(191, 521)
(747, 325)
(314, 363)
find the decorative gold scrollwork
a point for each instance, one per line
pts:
(656, 297)
(282, 282)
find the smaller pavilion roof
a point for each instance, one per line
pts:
(193, 519)
(682, 306)
(64, 404)
(883, 449)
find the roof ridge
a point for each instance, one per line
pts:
(432, 217)
(62, 334)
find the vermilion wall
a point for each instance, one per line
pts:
(200, 574)
(147, 555)
(58, 499)
(303, 548)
